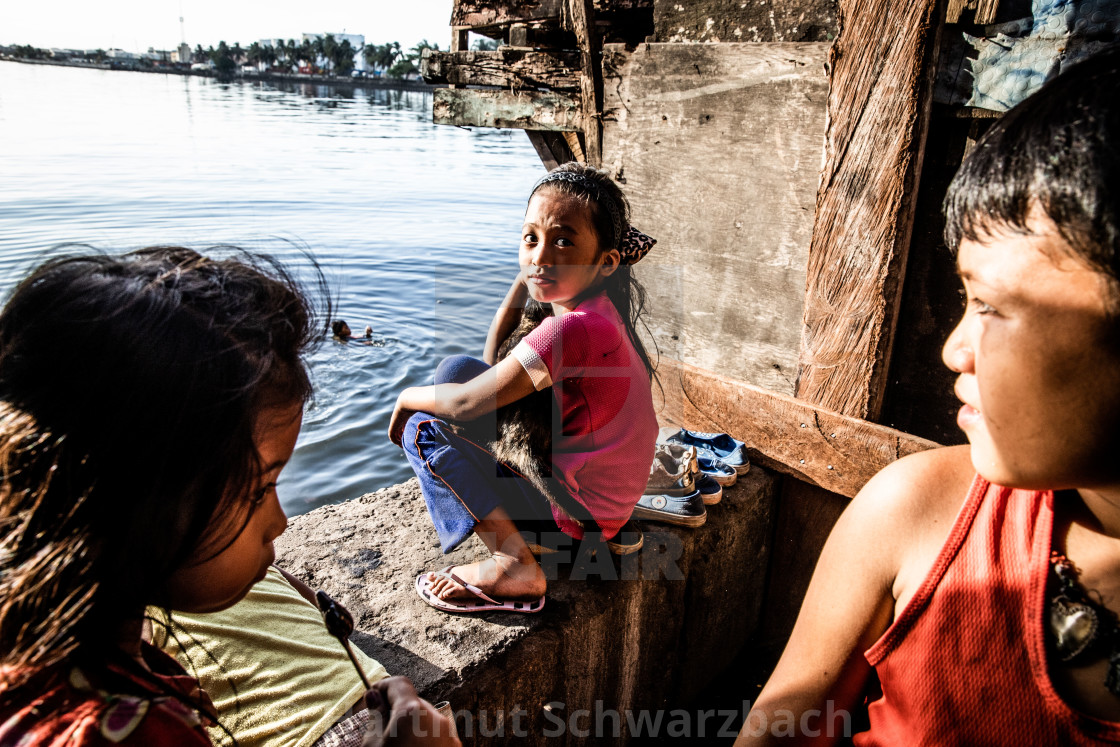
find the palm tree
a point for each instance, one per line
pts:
(344, 57)
(255, 55)
(237, 52)
(382, 56)
(199, 54)
(328, 46)
(309, 53)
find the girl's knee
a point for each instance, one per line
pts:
(457, 369)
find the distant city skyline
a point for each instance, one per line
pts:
(136, 25)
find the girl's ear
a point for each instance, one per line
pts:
(611, 261)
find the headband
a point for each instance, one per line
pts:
(632, 244)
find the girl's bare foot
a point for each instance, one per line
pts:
(499, 576)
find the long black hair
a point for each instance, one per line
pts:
(621, 287)
(129, 390)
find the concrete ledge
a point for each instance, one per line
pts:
(644, 632)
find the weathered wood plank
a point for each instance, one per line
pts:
(878, 104)
(718, 147)
(524, 111)
(581, 16)
(836, 452)
(505, 68)
(481, 13)
(488, 13)
(712, 21)
(985, 10)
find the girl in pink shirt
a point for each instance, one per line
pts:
(576, 253)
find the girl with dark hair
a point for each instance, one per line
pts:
(575, 304)
(138, 466)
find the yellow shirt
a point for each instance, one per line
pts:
(276, 676)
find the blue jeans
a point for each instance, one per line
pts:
(461, 480)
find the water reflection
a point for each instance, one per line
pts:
(414, 225)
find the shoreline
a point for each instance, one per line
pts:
(322, 80)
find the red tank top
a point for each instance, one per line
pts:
(965, 662)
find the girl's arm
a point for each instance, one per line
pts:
(497, 386)
(878, 554)
(506, 319)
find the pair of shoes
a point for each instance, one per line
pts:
(481, 603)
(672, 471)
(627, 540)
(685, 511)
(720, 446)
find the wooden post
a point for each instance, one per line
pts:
(880, 92)
(581, 14)
(460, 42)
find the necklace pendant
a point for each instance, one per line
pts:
(1075, 627)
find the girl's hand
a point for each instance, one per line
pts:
(398, 421)
(398, 716)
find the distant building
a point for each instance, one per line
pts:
(157, 55)
(182, 54)
(121, 55)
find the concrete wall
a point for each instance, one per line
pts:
(644, 632)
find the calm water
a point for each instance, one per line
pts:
(415, 226)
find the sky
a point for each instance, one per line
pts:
(136, 25)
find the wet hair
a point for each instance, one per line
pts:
(1058, 151)
(130, 390)
(621, 287)
(336, 327)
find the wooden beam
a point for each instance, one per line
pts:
(575, 146)
(837, 452)
(506, 68)
(488, 14)
(525, 111)
(552, 147)
(581, 19)
(880, 93)
(481, 13)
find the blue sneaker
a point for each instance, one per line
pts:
(710, 490)
(728, 450)
(685, 511)
(717, 470)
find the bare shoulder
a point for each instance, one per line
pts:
(912, 504)
(921, 486)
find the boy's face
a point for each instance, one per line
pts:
(1039, 367)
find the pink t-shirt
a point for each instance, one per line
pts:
(608, 426)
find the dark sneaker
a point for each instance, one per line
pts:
(710, 489)
(728, 450)
(628, 540)
(685, 511)
(669, 475)
(720, 472)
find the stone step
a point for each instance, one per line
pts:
(631, 636)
